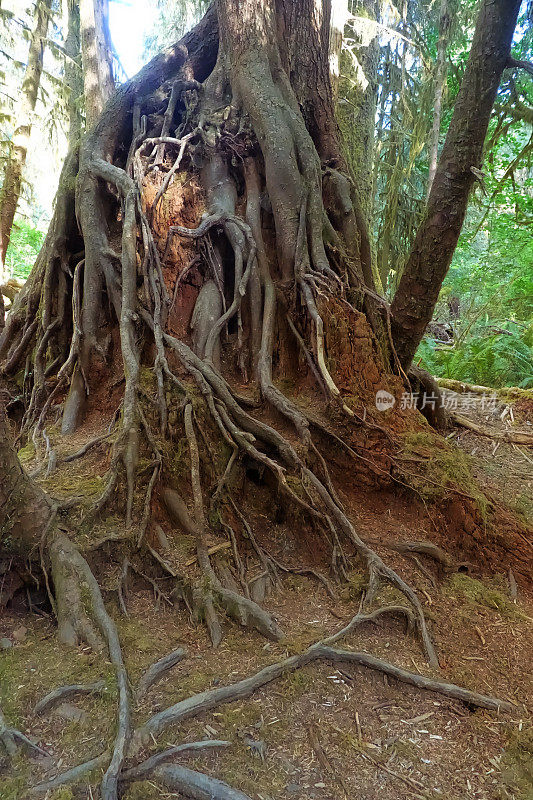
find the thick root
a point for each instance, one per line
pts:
(66, 693)
(70, 570)
(321, 651)
(241, 609)
(196, 785)
(157, 670)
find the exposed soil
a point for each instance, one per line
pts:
(376, 738)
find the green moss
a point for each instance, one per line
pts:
(445, 467)
(147, 380)
(357, 582)
(176, 459)
(248, 773)
(26, 453)
(476, 592)
(30, 670)
(238, 715)
(63, 793)
(296, 684)
(523, 506)
(517, 764)
(14, 787)
(67, 482)
(143, 790)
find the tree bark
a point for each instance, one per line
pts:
(24, 508)
(10, 194)
(436, 239)
(440, 82)
(73, 72)
(358, 115)
(97, 57)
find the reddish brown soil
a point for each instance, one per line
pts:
(432, 747)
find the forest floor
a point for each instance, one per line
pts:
(321, 732)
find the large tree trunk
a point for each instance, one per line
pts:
(284, 358)
(436, 239)
(9, 196)
(24, 508)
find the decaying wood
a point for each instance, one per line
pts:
(504, 435)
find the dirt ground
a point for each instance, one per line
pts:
(321, 733)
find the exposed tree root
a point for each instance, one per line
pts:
(146, 767)
(12, 737)
(70, 570)
(66, 693)
(258, 276)
(321, 651)
(196, 785)
(206, 599)
(157, 670)
(71, 776)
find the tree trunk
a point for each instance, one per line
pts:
(73, 72)
(97, 57)
(10, 193)
(436, 239)
(358, 114)
(24, 508)
(445, 23)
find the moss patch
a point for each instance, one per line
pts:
(517, 764)
(143, 790)
(443, 467)
(478, 593)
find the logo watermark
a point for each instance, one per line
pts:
(384, 400)
(463, 402)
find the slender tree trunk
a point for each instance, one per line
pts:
(436, 239)
(97, 57)
(73, 71)
(440, 82)
(358, 116)
(10, 193)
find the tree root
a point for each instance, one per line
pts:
(196, 785)
(145, 767)
(207, 599)
(73, 775)
(156, 671)
(321, 651)
(67, 692)
(70, 570)
(10, 737)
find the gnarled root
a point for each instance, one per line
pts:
(10, 738)
(156, 671)
(196, 785)
(66, 693)
(321, 651)
(206, 599)
(70, 571)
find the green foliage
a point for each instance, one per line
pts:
(497, 360)
(23, 249)
(491, 282)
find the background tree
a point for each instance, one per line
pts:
(437, 237)
(11, 187)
